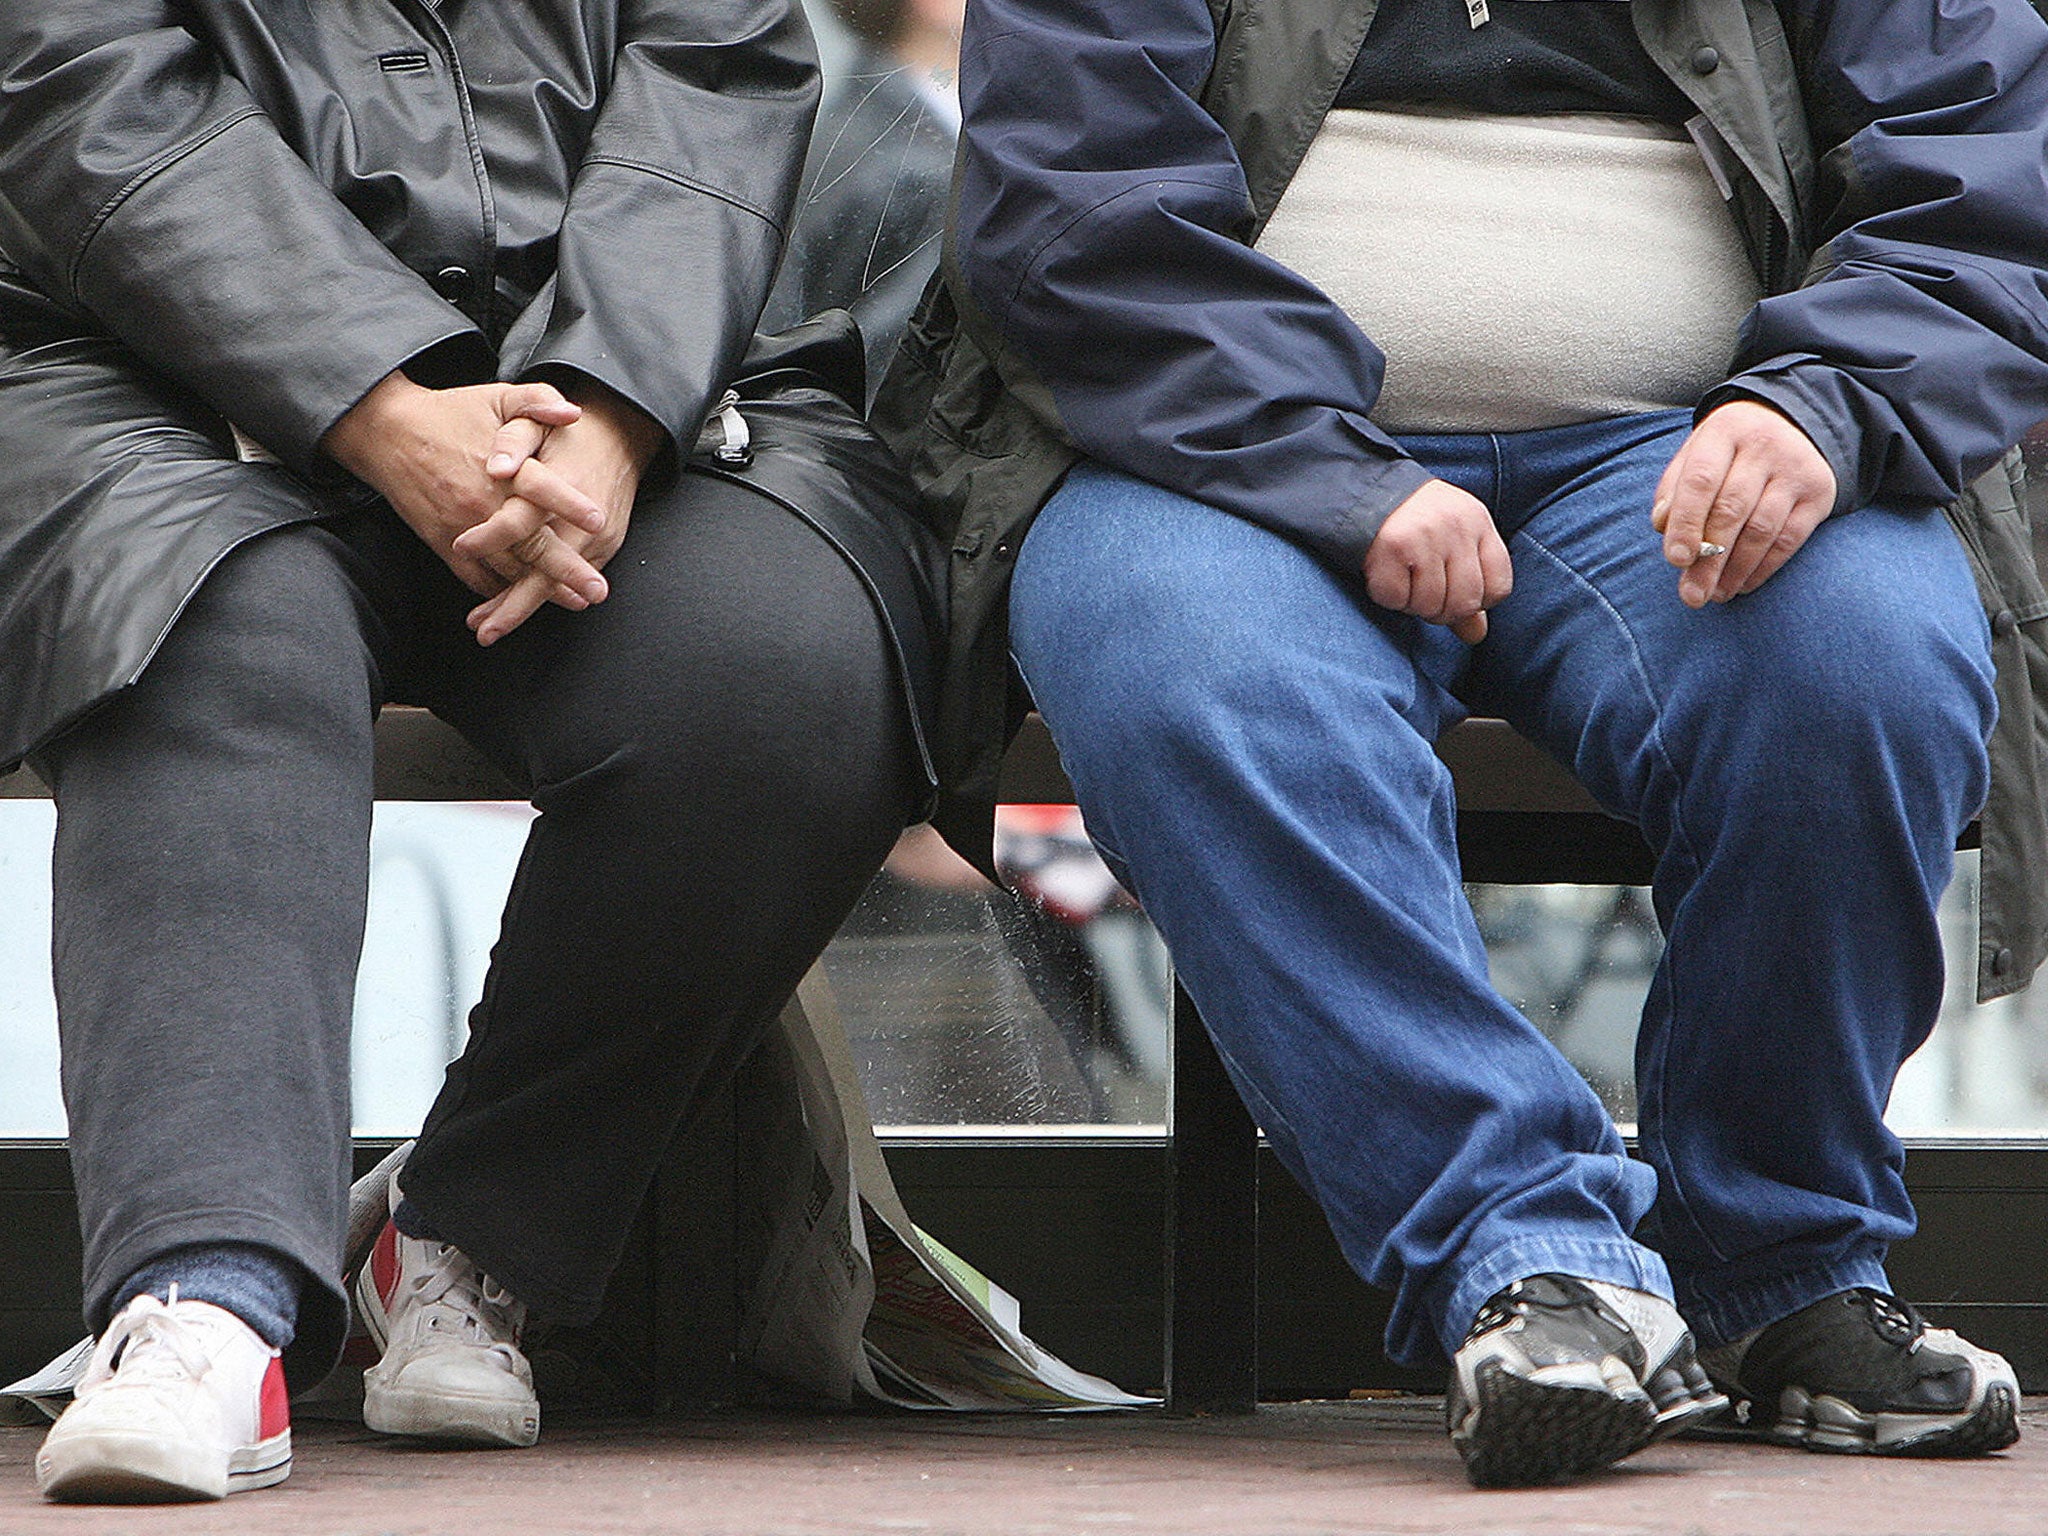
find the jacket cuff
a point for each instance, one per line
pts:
(679, 436)
(1780, 386)
(1389, 482)
(276, 306)
(439, 356)
(625, 256)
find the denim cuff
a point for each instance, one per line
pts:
(1742, 1307)
(1621, 1262)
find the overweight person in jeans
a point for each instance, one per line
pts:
(359, 353)
(1605, 366)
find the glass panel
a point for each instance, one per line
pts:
(965, 1004)
(970, 1006)
(1984, 1071)
(1577, 961)
(439, 874)
(438, 879)
(29, 1101)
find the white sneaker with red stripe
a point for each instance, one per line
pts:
(182, 1401)
(451, 1367)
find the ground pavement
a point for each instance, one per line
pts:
(1293, 1470)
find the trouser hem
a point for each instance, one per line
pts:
(1732, 1310)
(1620, 1262)
(546, 1296)
(316, 1343)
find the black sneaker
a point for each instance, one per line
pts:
(1561, 1377)
(1860, 1372)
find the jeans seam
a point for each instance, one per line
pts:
(1680, 841)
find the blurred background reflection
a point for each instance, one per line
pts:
(1041, 1003)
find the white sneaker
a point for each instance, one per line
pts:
(451, 1367)
(182, 1400)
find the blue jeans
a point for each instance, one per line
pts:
(1249, 735)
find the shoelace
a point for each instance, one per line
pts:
(456, 1297)
(149, 1342)
(1499, 1310)
(1891, 1319)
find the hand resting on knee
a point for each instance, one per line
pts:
(1749, 482)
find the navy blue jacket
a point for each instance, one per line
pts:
(1886, 163)
(1104, 222)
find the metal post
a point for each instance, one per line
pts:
(1212, 1231)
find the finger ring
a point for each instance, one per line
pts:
(528, 550)
(1709, 549)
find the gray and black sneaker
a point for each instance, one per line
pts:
(1860, 1372)
(1561, 1376)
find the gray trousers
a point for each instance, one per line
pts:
(720, 754)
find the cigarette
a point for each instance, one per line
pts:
(1709, 549)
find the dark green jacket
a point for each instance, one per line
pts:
(988, 434)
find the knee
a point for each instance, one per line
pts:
(1885, 697)
(271, 646)
(274, 588)
(826, 727)
(1122, 674)
(797, 717)
(1888, 668)
(1141, 620)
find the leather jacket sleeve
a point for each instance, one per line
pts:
(1101, 226)
(1916, 351)
(141, 187)
(681, 204)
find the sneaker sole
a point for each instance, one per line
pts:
(1682, 1394)
(1524, 1434)
(480, 1423)
(1678, 1418)
(1830, 1425)
(142, 1469)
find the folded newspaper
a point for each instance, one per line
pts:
(852, 1298)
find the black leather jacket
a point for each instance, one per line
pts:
(219, 211)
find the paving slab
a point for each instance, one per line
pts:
(1290, 1470)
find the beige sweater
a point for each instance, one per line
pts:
(1519, 272)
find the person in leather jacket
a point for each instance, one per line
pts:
(1308, 374)
(359, 353)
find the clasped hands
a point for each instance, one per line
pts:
(1746, 482)
(522, 491)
